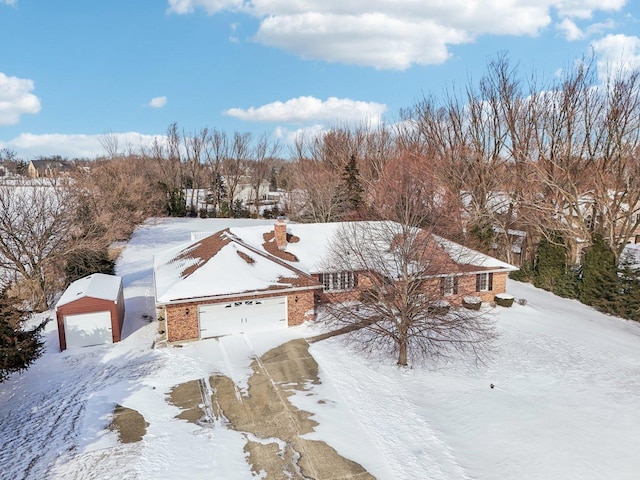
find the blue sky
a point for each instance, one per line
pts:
(72, 70)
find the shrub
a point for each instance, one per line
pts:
(471, 302)
(504, 300)
(83, 262)
(525, 274)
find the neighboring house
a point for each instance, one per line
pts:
(264, 277)
(91, 311)
(49, 168)
(509, 242)
(8, 169)
(246, 193)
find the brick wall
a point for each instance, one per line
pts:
(467, 286)
(180, 324)
(300, 307)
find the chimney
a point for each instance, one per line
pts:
(280, 233)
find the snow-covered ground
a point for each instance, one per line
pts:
(567, 385)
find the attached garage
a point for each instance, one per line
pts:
(242, 316)
(91, 312)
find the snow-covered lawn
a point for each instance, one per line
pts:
(567, 386)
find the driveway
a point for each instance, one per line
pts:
(273, 427)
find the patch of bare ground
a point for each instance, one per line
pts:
(129, 424)
(273, 425)
(187, 397)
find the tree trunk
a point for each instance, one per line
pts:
(402, 346)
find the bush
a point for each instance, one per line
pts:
(471, 302)
(83, 262)
(566, 286)
(504, 300)
(525, 274)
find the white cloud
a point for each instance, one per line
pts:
(310, 109)
(584, 9)
(569, 30)
(11, 3)
(210, 6)
(398, 34)
(16, 99)
(617, 54)
(157, 102)
(289, 137)
(29, 145)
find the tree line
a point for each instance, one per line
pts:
(551, 167)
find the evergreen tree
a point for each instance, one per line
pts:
(351, 178)
(273, 180)
(629, 288)
(18, 348)
(600, 285)
(550, 263)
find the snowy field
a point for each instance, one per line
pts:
(564, 406)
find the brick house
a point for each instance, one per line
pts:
(267, 277)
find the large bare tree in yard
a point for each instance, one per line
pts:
(36, 228)
(396, 305)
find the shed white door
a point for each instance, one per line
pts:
(242, 316)
(87, 329)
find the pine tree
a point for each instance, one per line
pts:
(629, 298)
(550, 270)
(351, 178)
(600, 285)
(19, 348)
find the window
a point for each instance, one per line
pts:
(448, 286)
(588, 222)
(484, 282)
(338, 281)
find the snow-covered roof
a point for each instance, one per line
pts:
(312, 242)
(220, 264)
(246, 259)
(96, 285)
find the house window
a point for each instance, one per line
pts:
(484, 282)
(448, 286)
(589, 222)
(338, 281)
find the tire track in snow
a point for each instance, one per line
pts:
(38, 430)
(424, 455)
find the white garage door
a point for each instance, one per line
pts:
(242, 316)
(88, 329)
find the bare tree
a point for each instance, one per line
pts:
(234, 166)
(317, 194)
(110, 144)
(196, 148)
(36, 232)
(264, 153)
(397, 303)
(398, 292)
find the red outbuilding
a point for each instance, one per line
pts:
(91, 311)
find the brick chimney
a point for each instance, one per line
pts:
(280, 233)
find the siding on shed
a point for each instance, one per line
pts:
(91, 305)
